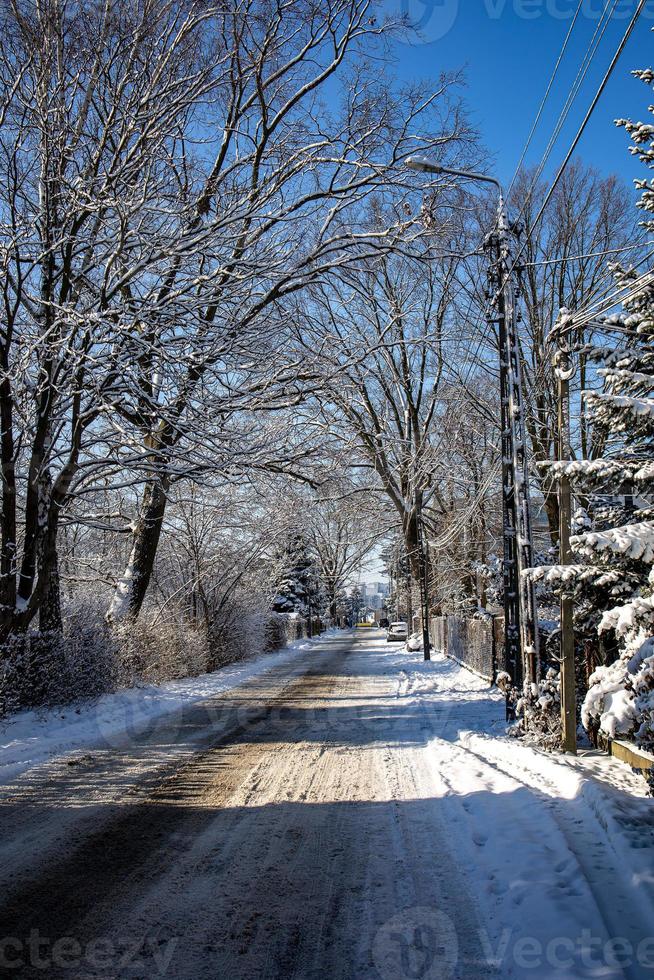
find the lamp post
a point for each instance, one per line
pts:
(520, 617)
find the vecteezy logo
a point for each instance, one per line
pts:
(426, 20)
(418, 944)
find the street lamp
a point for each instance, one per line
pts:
(520, 618)
(426, 166)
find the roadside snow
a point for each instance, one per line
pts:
(30, 738)
(556, 853)
(559, 851)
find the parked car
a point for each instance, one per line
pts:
(397, 632)
(384, 624)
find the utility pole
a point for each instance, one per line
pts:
(520, 613)
(525, 548)
(497, 248)
(563, 370)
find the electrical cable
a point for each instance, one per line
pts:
(588, 255)
(591, 50)
(546, 96)
(589, 113)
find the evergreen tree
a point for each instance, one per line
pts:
(356, 605)
(614, 578)
(299, 588)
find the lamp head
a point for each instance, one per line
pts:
(423, 165)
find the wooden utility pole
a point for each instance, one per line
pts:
(563, 369)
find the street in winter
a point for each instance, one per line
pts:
(327, 489)
(347, 812)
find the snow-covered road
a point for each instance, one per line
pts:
(358, 818)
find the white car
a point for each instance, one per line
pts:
(397, 632)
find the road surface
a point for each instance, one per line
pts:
(283, 830)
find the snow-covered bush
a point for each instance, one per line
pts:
(240, 632)
(209, 606)
(42, 669)
(489, 575)
(153, 653)
(620, 699)
(275, 632)
(48, 668)
(539, 712)
(643, 686)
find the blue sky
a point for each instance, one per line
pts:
(509, 59)
(509, 48)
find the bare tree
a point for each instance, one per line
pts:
(465, 536)
(170, 176)
(273, 201)
(387, 333)
(90, 100)
(344, 523)
(566, 261)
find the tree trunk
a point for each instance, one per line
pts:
(40, 590)
(333, 602)
(131, 589)
(50, 618)
(48, 560)
(8, 542)
(412, 544)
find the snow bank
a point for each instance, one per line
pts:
(33, 737)
(558, 851)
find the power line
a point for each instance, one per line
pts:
(581, 74)
(591, 109)
(584, 67)
(588, 255)
(546, 96)
(601, 304)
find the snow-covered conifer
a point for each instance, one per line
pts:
(614, 580)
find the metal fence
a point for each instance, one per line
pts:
(475, 643)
